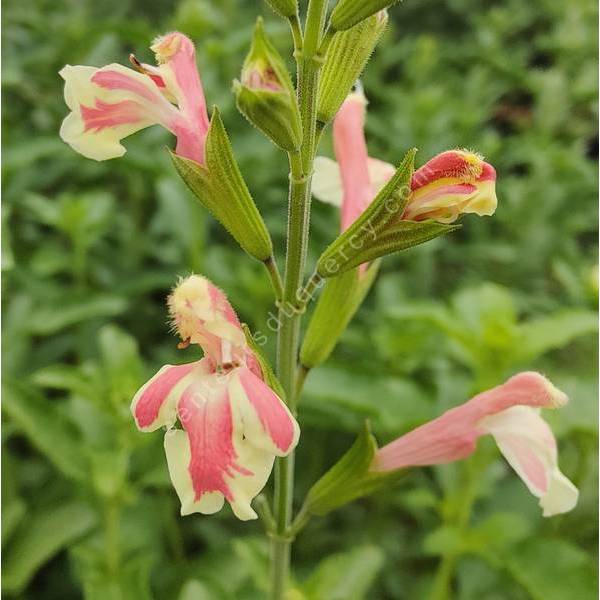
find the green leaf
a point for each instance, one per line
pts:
(345, 576)
(552, 569)
(221, 189)
(335, 308)
(349, 478)
(46, 428)
(49, 319)
(555, 331)
(122, 363)
(65, 377)
(43, 535)
(254, 555)
(12, 514)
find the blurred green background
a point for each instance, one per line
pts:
(89, 251)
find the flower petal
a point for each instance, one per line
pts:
(267, 421)
(380, 172)
(176, 56)
(327, 181)
(527, 443)
(109, 104)
(350, 149)
(211, 460)
(154, 405)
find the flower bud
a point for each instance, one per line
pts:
(348, 13)
(265, 95)
(452, 183)
(284, 8)
(346, 58)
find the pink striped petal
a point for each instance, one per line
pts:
(268, 424)
(211, 460)
(154, 405)
(108, 105)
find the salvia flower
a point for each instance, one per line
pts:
(510, 413)
(452, 183)
(232, 423)
(112, 102)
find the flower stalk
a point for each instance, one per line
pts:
(308, 63)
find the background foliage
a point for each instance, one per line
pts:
(90, 250)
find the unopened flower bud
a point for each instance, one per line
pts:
(265, 95)
(348, 13)
(452, 183)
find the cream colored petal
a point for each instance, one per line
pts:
(246, 487)
(380, 172)
(327, 181)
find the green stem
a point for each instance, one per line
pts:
(273, 272)
(301, 166)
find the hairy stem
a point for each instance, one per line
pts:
(301, 166)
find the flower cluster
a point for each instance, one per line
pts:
(224, 423)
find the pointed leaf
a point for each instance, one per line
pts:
(43, 535)
(46, 428)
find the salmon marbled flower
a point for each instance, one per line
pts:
(232, 423)
(510, 413)
(452, 183)
(112, 102)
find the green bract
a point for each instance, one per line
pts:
(221, 189)
(350, 478)
(348, 13)
(336, 306)
(345, 60)
(380, 230)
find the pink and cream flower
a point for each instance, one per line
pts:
(511, 414)
(112, 102)
(232, 423)
(452, 183)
